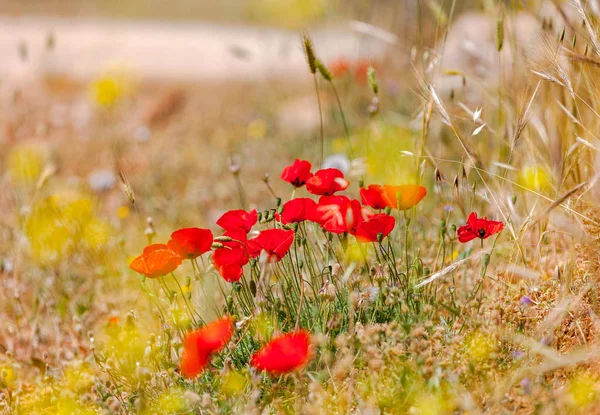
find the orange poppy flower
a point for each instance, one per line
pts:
(156, 260)
(401, 197)
(405, 196)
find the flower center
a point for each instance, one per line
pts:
(481, 233)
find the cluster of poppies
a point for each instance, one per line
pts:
(340, 214)
(368, 220)
(336, 214)
(282, 354)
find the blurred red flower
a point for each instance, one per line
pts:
(199, 344)
(369, 229)
(275, 242)
(297, 173)
(156, 260)
(238, 219)
(478, 228)
(338, 214)
(361, 69)
(283, 354)
(339, 67)
(230, 259)
(327, 182)
(190, 243)
(297, 210)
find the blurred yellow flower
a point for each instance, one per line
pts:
(8, 376)
(583, 390)
(172, 402)
(106, 92)
(25, 164)
(233, 382)
(78, 378)
(479, 346)
(123, 212)
(110, 88)
(95, 234)
(293, 13)
(535, 178)
(353, 252)
(62, 223)
(257, 129)
(429, 404)
(338, 145)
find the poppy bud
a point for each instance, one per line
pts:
(253, 288)
(361, 183)
(388, 210)
(278, 201)
(223, 239)
(513, 199)
(379, 237)
(486, 260)
(426, 271)
(453, 228)
(279, 210)
(188, 281)
(188, 296)
(217, 245)
(259, 216)
(270, 215)
(265, 216)
(300, 263)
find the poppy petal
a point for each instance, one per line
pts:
(283, 354)
(297, 173)
(190, 243)
(238, 220)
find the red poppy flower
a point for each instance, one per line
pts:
(370, 229)
(283, 354)
(297, 173)
(478, 228)
(373, 196)
(297, 210)
(230, 259)
(238, 219)
(199, 344)
(190, 243)
(327, 182)
(193, 359)
(275, 242)
(338, 214)
(156, 260)
(339, 67)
